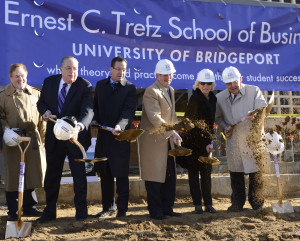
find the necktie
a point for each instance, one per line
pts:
(168, 90)
(114, 84)
(233, 98)
(62, 97)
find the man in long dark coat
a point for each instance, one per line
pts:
(114, 105)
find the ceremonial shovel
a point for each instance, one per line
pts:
(19, 228)
(210, 160)
(268, 110)
(77, 143)
(280, 207)
(179, 150)
(130, 135)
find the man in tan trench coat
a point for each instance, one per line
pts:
(233, 104)
(157, 168)
(18, 110)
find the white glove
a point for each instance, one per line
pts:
(117, 130)
(176, 137)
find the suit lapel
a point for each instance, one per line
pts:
(165, 93)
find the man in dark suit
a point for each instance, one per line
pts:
(62, 95)
(114, 105)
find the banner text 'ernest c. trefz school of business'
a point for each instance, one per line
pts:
(262, 42)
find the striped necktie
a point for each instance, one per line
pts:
(62, 97)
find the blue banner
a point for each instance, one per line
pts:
(263, 43)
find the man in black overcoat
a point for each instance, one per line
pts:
(78, 102)
(114, 106)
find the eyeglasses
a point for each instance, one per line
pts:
(120, 70)
(206, 83)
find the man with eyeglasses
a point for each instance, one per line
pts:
(62, 95)
(19, 116)
(114, 106)
(234, 103)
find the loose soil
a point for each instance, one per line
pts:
(224, 225)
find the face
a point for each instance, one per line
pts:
(234, 87)
(19, 78)
(164, 79)
(118, 71)
(205, 87)
(69, 70)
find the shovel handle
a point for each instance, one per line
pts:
(278, 179)
(107, 128)
(77, 143)
(23, 138)
(21, 177)
(53, 118)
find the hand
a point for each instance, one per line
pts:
(116, 131)
(250, 115)
(46, 115)
(209, 148)
(94, 122)
(228, 131)
(77, 129)
(176, 138)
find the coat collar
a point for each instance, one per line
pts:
(10, 89)
(239, 95)
(164, 92)
(122, 82)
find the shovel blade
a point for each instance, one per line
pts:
(101, 159)
(284, 208)
(130, 135)
(13, 232)
(180, 151)
(210, 160)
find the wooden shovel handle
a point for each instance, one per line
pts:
(53, 118)
(23, 138)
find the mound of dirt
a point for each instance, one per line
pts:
(223, 225)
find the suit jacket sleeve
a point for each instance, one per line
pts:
(128, 111)
(219, 118)
(86, 108)
(42, 104)
(95, 106)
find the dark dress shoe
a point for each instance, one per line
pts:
(173, 214)
(159, 217)
(210, 209)
(104, 214)
(32, 212)
(121, 214)
(198, 209)
(257, 207)
(80, 219)
(235, 208)
(45, 219)
(12, 217)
